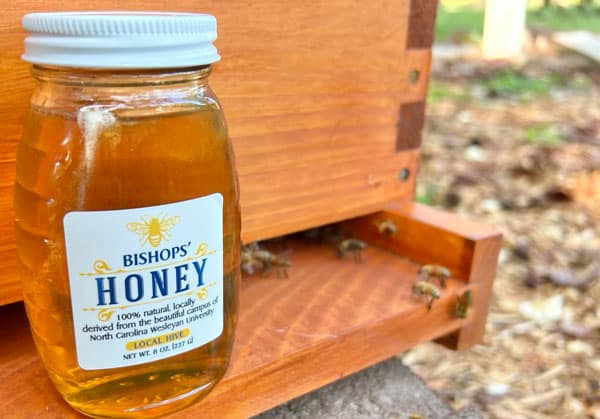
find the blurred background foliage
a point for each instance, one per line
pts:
(514, 142)
(462, 20)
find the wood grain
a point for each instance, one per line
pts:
(483, 271)
(470, 250)
(330, 318)
(312, 98)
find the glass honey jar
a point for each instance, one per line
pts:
(127, 213)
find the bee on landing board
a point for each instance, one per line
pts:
(387, 228)
(441, 273)
(325, 234)
(254, 258)
(353, 247)
(272, 261)
(427, 290)
(463, 304)
(248, 263)
(153, 230)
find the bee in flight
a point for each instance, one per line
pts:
(153, 230)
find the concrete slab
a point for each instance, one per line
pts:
(584, 42)
(448, 52)
(388, 390)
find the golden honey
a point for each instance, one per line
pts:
(97, 142)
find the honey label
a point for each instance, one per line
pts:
(146, 283)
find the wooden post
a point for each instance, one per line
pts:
(504, 29)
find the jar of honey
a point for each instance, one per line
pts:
(127, 214)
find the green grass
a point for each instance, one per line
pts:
(507, 83)
(464, 23)
(440, 90)
(426, 194)
(565, 19)
(463, 20)
(510, 83)
(547, 134)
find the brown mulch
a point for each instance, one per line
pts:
(530, 165)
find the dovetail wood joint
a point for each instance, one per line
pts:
(410, 124)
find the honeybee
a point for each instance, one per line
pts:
(463, 304)
(253, 257)
(248, 263)
(153, 230)
(271, 261)
(353, 246)
(427, 290)
(325, 234)
(387, 228)
(441, 273)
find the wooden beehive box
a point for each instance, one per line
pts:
(325, 103)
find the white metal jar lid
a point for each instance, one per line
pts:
(120, 40)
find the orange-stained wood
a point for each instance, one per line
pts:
(312, 94)
(482, 274)
(330, 318)
(429, 236)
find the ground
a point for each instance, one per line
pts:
(518, 147)
(385, 391)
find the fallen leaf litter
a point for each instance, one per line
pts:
(531, 167)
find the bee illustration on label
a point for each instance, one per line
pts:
(153, 230)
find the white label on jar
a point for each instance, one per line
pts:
(146, 283)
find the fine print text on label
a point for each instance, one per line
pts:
(146, 283)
